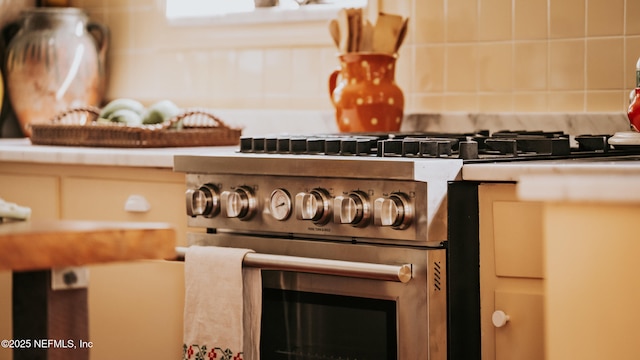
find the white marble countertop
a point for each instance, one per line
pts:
(21, 150)
(515, 171)
(613, 179)
(548, 180)
(595, 179)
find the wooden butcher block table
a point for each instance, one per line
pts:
(50, 312)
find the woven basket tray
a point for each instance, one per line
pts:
(78, 127)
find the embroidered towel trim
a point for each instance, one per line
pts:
(223, 305)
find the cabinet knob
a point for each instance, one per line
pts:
(137, 203)
(499, 318)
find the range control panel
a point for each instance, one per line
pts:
(311, 206)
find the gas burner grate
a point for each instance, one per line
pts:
(471, 147)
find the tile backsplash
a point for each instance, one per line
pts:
(459, 55)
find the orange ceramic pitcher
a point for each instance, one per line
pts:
(365, 94)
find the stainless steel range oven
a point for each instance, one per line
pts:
(353, 253)
(369, 242)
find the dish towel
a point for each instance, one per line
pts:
(223, 305)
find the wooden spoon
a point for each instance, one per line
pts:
(366, 37)
(402, 34)
(355, 28)
(344, 30)
(385, 33)
(334, 30)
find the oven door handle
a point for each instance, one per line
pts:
(354, 269)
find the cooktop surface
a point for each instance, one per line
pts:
(480, 146)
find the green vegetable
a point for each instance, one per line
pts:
(129, 117)
(122, 103)
(160, 112)
(103, 121)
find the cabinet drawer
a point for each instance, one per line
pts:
(522, 337)
(517, 228)
(40, 193)
(100, 199)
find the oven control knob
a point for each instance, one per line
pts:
(239, 203)
(351, 209)
(314, 206)
(203, 201)
(394, 210)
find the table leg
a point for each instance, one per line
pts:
(52, 323)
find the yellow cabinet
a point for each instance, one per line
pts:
(144, 298)
(593, 290)
(522, 335)
(511, 275)
(135, 309)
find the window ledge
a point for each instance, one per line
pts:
(270, 15)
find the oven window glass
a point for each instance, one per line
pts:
(308, 326)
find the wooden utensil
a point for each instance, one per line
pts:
(385, 33)
(366, 36)
(355, 27)
(334, 30)
(402, 34)
(344, 30)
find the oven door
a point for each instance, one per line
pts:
(337, 300)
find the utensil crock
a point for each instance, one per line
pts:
(365, 94)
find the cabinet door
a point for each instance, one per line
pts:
(40, 193)
(511, 274)
(135, 308)
(522, 336)
(517, 234)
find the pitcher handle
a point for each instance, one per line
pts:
(333, 82)
(101, 33)
(8, 32)
(102, 36)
